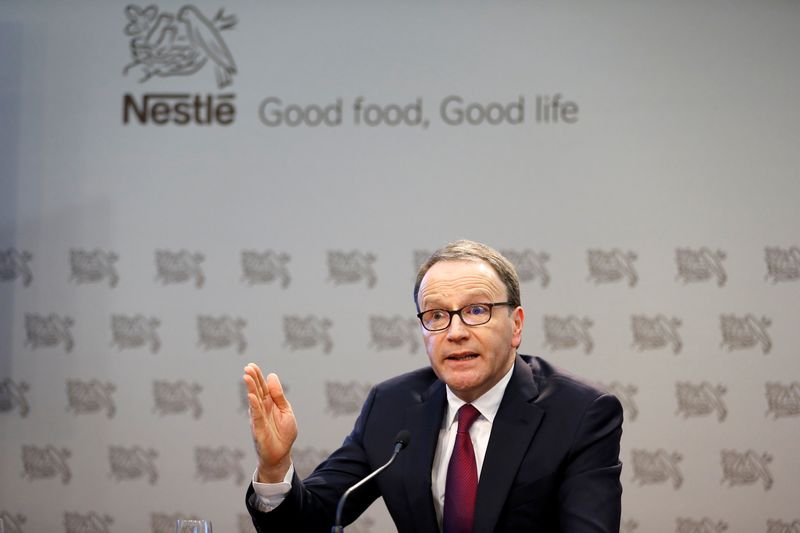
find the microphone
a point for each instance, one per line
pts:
(400, 441)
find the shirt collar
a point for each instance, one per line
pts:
(487, 404)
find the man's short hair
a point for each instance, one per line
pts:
(464, 250)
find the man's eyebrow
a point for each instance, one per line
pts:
(477, 296)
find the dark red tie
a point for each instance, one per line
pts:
(461, 487)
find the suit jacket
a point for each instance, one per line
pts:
(552, 462)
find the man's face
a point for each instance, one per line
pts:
(470, 359)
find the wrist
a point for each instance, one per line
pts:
(273, 473)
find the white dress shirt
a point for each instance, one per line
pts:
(479, 432)
(269, 495)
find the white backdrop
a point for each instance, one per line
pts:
(643, 176)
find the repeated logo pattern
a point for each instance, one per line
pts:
(178, 397)
(388, 333)
(746, 468)
(46, 462)
(13, 397)
(529, 265)
(742, 332)
(783, 400)
(217, 333)
(216, 464)
(351, 267)
(49, 331)
(779, 526)
(133, 463)
(650, 333)
(704, 525)
(87, 523)
(700, 399)
(564, 333)
(91, 396)
(93, 267)
(13, 522)
(657, 467)
(302, 333)
(701, 265)
(135, 331)
(783, 264)
(612, 266)
(179, 267)
(265, 267)
(14, 265)
(345, 398)
(165, 44)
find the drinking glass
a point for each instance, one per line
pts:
(193, 526)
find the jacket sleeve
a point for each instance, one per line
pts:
(311, 503)
(591, 492)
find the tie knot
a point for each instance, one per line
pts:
(467, 414)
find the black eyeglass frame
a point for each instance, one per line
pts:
(458, 312)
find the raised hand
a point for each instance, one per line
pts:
(272, 423)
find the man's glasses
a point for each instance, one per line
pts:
(471, 315)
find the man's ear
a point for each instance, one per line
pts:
(517, 320)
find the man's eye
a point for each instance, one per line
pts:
(476, 310)
(437, 315)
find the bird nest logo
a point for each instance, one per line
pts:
(163, 45)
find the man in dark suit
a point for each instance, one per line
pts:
(499, 441)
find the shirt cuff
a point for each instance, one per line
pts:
(270, 495)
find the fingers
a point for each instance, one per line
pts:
(267, 390)
(276, 392)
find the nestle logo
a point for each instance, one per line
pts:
(650, 333)
(700, 265)
(265, 267)
(179, 109)
(92, 396)
(87, 523)
(746, 468)
(12, 396)
(46, 462)
(388, 333)
(345, 398)
(742, 332)
(133, 463)
(700, 399)
(164, 44)
(704, 525)
(783, 399)
(657, 467)
(48, 331)
(612, 266)
(215, 464)
(529, 265)
(563, 333)
(351, 267)
(307, 332)
(93, 266)
(14, 264)
(177, 397)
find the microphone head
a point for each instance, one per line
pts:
(403, 438)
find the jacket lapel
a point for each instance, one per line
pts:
(514, 425)
(423, 422)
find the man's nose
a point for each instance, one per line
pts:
(457, 329)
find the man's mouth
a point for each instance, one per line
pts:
(462, 356)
